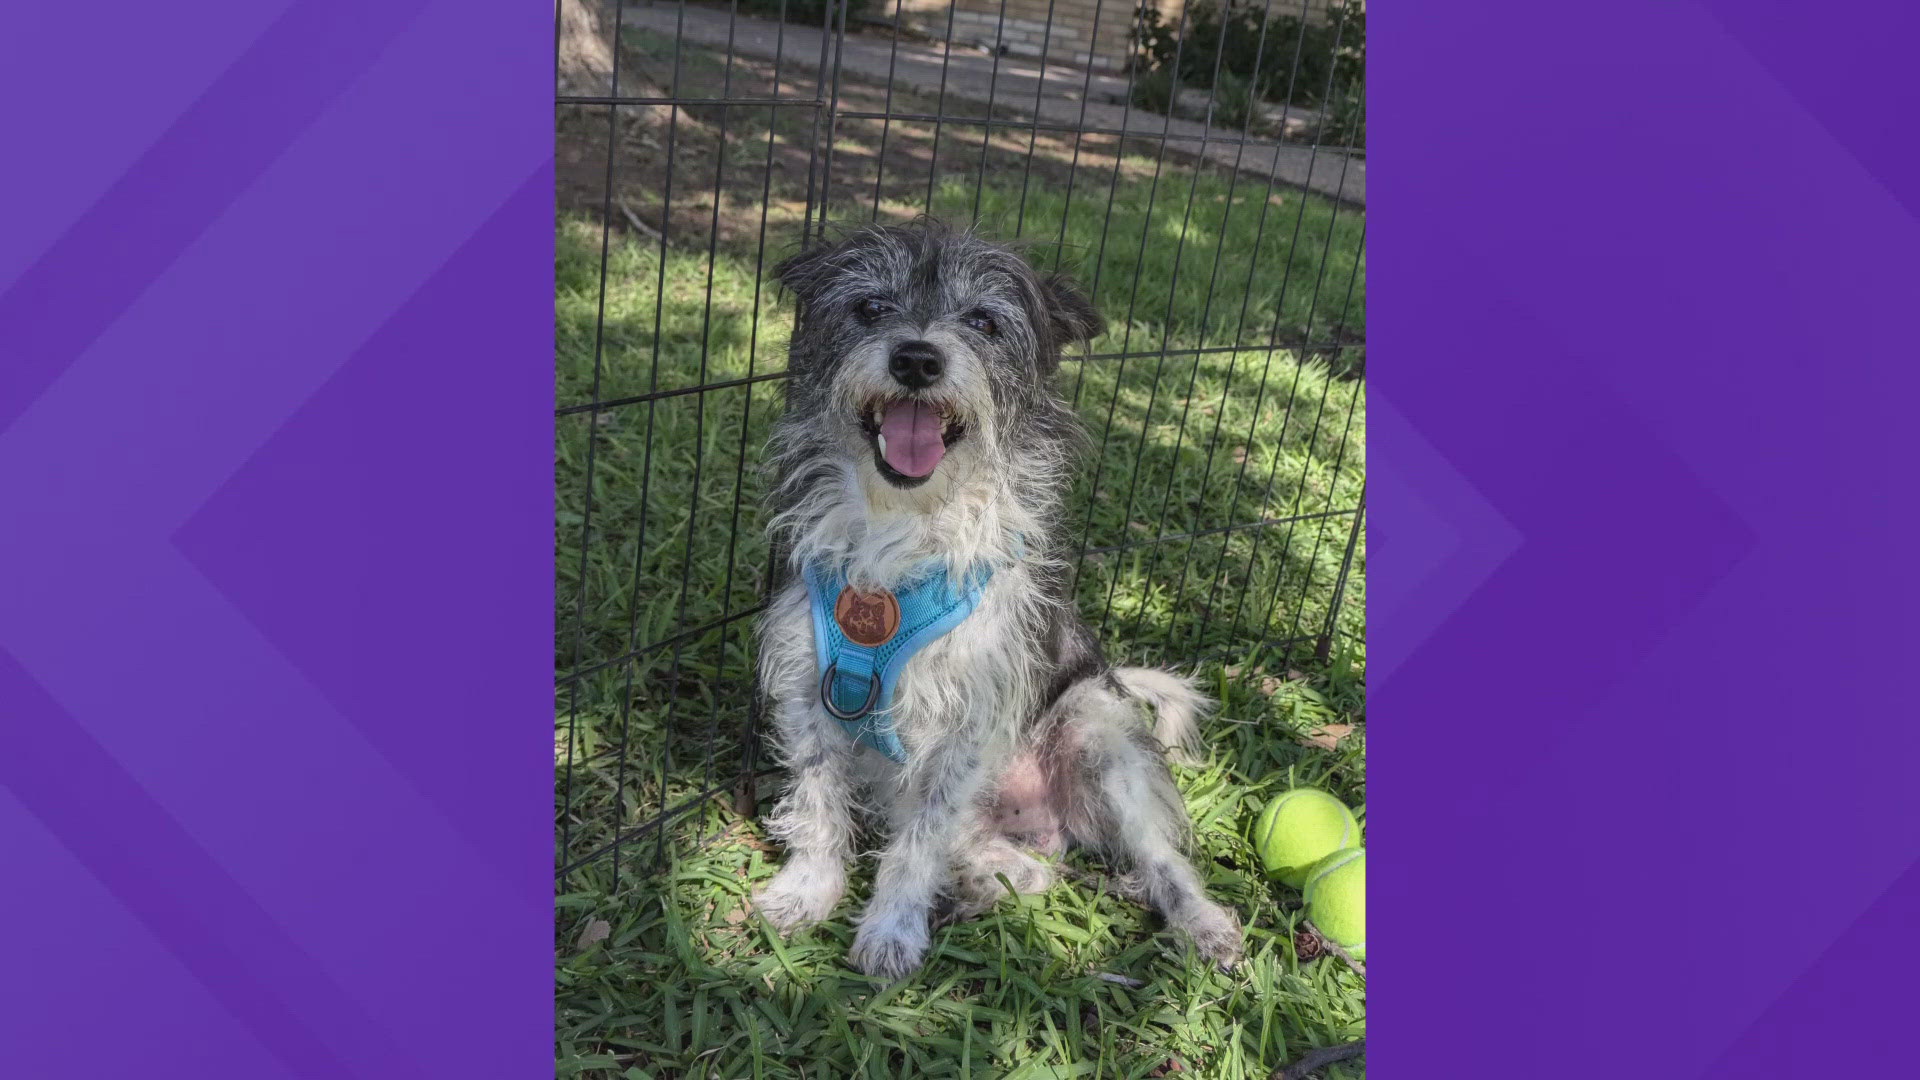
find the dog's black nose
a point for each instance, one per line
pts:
(915, 365)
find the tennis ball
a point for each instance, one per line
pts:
(1300, 828)
(1337, 900)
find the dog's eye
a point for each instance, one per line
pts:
(983, 322)
(872, 308)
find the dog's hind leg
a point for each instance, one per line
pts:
(814, 820)
(1121, 800)
(985, 868)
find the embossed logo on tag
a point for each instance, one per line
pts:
(867, 618)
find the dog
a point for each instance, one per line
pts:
(922, 442)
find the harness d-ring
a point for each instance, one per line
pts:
(826, 695)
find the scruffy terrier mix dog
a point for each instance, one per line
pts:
(925, 662)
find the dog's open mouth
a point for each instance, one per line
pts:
(910, 436)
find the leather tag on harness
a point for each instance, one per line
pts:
(867, 618)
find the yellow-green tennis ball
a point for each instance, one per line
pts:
(1337, 900)
(1300, 828)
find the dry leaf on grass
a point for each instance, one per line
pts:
(596, 930)
(1327, 737)
(1271, 684)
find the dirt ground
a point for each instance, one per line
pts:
(754, 156)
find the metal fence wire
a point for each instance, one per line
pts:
(1217, 222)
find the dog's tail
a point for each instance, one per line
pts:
(1178, 706)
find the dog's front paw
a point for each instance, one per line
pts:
(890, 948)
(799, 896)
(1216, 934)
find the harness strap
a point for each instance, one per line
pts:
(857, 677)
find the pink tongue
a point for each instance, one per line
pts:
(912, 433)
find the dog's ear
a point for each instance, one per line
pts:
(806, 273)
(1070, 314)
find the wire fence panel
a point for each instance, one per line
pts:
(1205, 187)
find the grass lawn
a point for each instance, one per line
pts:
(662, 971)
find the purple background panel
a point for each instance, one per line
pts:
(275, 611)
(1642, 796)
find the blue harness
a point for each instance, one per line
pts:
(857, 676)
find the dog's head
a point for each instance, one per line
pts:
(921, 350)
